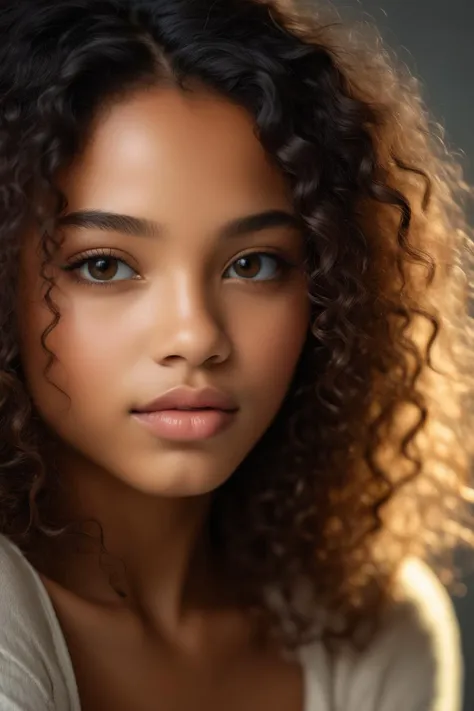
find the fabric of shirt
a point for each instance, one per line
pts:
(413, 663)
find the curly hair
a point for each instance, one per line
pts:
(368, 460)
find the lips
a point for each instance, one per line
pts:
(188, 415)
(186, 399)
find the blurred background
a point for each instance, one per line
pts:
(435, 39)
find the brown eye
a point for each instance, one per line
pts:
(102, 269)
(257, 267)
(248, 267)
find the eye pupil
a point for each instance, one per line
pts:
(103, 267)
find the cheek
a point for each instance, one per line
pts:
(271, 340)
(87, 356)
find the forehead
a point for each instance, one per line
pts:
(161, 151)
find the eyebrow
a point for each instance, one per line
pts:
(142, 227)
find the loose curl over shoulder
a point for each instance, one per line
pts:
(368, 460)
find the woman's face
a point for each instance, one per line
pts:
(177, 293)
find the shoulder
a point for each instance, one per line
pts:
(429, 620)
(414, 662)
(421, 640)
(20, 597)
(22, 600)
(31, 675)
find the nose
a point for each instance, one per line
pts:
(194, 326)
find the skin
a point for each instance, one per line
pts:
(191, 164)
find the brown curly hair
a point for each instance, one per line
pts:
(368, 460)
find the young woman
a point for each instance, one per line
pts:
(234, 365)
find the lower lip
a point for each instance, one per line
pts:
(185, 425)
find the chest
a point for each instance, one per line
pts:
(119, 668)
(141, 681)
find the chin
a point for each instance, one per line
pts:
(182, 487)
(178, 482)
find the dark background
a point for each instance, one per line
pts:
(435, 38)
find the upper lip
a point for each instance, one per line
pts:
(189, 398)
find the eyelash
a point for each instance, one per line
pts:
(283, 265)
(74, 265)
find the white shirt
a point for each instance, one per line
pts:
(414, 663)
